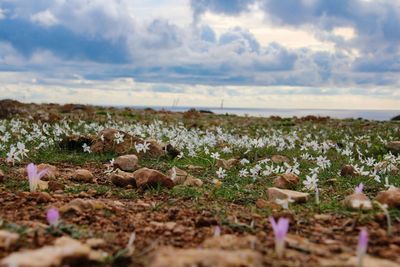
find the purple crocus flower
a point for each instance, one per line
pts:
(53, 217)
(280, 232)
(217, 231)
(362, 246)
(359, 188)
(34, 176)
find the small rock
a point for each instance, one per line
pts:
(169, 256)
(84, 194)
(286, 181)
(7, 239)
(230, 242)
(261, 203)
(143, 204)
(170, 225)
(303, 244)
(279, 159)
(182, 177)
(276, 193)
(191, 181)
(54, 186)
(126, 162)
(52, 171)
(323, 217)
(148, 177)
(156, 149)
(348, 170)
(123, 179)
(64, 249)
(41, 197)
(393, 146)
(163, 226)
(227, 164)
(390, 197)
(42, 185)
(195, 168)
(179, 176)
(358, 201)
(82, 205)
(370, 261)
(82, 175)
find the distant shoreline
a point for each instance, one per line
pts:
(366, 114)
(380, 115)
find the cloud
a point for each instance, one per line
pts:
(160, 34)
(2, 14)
(102, 41)
(229, 7)
(28, 38)
(206, 33)
(375, 24)
(45, 18)
(242, 40)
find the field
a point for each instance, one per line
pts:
(201, 190)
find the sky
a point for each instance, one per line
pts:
(335, 54)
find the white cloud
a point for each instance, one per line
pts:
(347, 33)
(2, 14)
(265, 32)
(175, 11)
(45, 18)
(127, 91)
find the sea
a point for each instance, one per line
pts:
(378, 115)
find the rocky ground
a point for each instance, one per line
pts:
(146, 188)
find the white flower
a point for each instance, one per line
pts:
(387, 182)
(173, 174)
(221, 173)
(12, 155)
(323, 162)
(376, 177)
(311, 182)
(255, 170)
(292, 169)
(119, 138)
(215, 155)
(226, 150)
(243, 173)
(360, 171)
(22, 150)
(86, 148)
(142, 147)
(244, 161)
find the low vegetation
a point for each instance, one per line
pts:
(131, 187)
